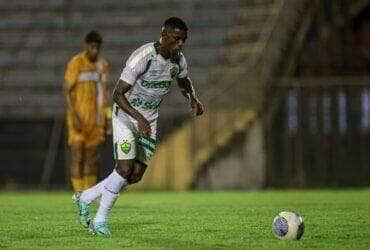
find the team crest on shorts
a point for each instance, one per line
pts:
(173, 72)
(126, 147)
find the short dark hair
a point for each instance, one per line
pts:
(93, 37)
(175, 22)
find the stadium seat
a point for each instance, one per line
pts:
(39, 37)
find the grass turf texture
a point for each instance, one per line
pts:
(190, 220)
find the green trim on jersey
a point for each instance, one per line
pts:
(175, 59)
(156, 44)
(147, 67)
(115, 151)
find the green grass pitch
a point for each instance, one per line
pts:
(189, 220)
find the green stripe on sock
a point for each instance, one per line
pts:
(147, 146)
(147, 142)
(150, 139)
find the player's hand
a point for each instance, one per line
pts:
(196, 107)
(108, 127)
(144, 127)
(77, 124)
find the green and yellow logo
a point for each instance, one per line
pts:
(126, 147)
(174, 71)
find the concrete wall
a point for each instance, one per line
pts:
(242, 167)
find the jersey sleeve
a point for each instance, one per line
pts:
(106, 69)
(72, 72)
(183, 67)
(136, 65)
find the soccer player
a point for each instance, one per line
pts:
(144, 81)
(86, 98)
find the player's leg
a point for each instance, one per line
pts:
(116, 181)
(77, 153)
(76, 143)
(90, 170)
(91, 163)
(85, 198)
(145, 151)
(77, 150)
(127, 172)
(91, 191)
(120, 133)
(124, 153)
(137, 172)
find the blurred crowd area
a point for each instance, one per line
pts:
(284, 83)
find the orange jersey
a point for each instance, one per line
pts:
(88, 96)
(89, 93)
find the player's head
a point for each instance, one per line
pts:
(93, 41)
(174, 35)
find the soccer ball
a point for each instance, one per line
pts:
(288, 226)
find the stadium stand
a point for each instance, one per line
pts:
(235, 58)
(38, 37)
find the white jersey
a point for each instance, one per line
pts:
(151, 76)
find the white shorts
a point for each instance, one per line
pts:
(127, 144)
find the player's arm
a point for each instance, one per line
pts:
(120, 99)
(188, 91)
(69, 84)
(67, 95)
(135, 66)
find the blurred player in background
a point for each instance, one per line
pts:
(86, 96)
(144, 82)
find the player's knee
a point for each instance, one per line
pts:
(137, 174)
(135, 178)
(92, 160)
(91, 168)
(92, 153)
(124, 168)
(77, 153)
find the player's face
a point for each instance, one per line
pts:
(92, 50)
(174, 39)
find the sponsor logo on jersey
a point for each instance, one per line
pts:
(126, 147)
(137, 102)
(156, 85)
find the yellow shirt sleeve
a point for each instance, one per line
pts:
(106, 70)
(72, 72)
